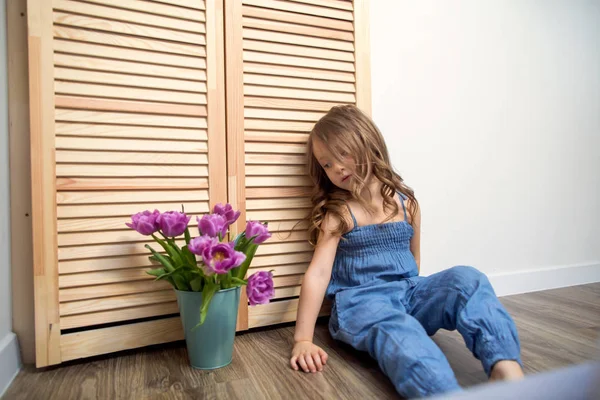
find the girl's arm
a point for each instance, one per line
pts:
(305, 353)
(415, 242)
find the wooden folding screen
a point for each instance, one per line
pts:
(127, 114)
(139, 105)
(288, 62)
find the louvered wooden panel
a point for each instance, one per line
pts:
(288, 63)
(128, 108)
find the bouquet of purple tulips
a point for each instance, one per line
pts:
(207, 263)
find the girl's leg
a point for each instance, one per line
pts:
(462, 298)
(412, 361)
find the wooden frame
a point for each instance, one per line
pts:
(362, 45)
(43, 182)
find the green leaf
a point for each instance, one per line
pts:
(187, 235)
(156, 272)
(196, 284)
(180, 282)
(189, 257)
(207, 294)
(241, 272)
(240, 282)
(165, 261)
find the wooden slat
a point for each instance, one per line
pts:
(269, 193)
(103, 264)
(342, 5)
(363, 56)
(296, 18)
(132, 171)
(266, 91)
(116, 302)
(110, 144)
(288, 104)
(279, 148)
(128, 16)
(281, 259)
(278, 203)
(105, 250)
(116, 289)
(309, 41)
(107, 340)
(193, 4)
(103, 157)
(282, 70)
(130, 183)
(123, 196)
(118, 92)
(112, 210)
(127, 41)
(287, 292)
(282, 137)
(303, 62)
(104, 317)
(278, 181)
(283, 248)
(66, 115)
(294, 50)
(288, 280)
(143, 57)
(295, 236)
(128, 67)
(43, 183)
(279, 81)
(79, 75)
(286, 226)
(274, 170)
(129, 132)
(157, 8)
(103, 277)
(284, 115)
(282, 270)
(301, 9)
(86, 22)
(103, 237)
(274, 215)
(279, 26)
(252, 159)
(273, 125)
(84, 103)
(278, 312)
(235, 127)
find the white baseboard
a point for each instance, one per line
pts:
(509, 283)
(10, 361)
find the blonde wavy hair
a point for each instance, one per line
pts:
(347, 130)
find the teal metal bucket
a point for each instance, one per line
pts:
(209, 346)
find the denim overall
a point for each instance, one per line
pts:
(382, 306)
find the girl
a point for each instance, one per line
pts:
(365, 223)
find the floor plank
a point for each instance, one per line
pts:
(557, 328)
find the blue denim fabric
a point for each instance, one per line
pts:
(382, 306)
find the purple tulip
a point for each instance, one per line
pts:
(227, 212)
(173, 223)
(260, 288)
(212, 225)
(221, 257)
(199, 244)
(255, 228)
(145, 222)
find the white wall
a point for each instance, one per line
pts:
(491, 111)
(8, 342)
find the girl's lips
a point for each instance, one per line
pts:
(345, 178)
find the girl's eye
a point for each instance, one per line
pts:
(344, 153)
(326, 165)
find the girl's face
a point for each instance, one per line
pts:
(339, 172)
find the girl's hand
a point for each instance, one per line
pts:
(308, 356)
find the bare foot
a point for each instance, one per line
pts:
(506, 370)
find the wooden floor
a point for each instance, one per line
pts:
(557, 328)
